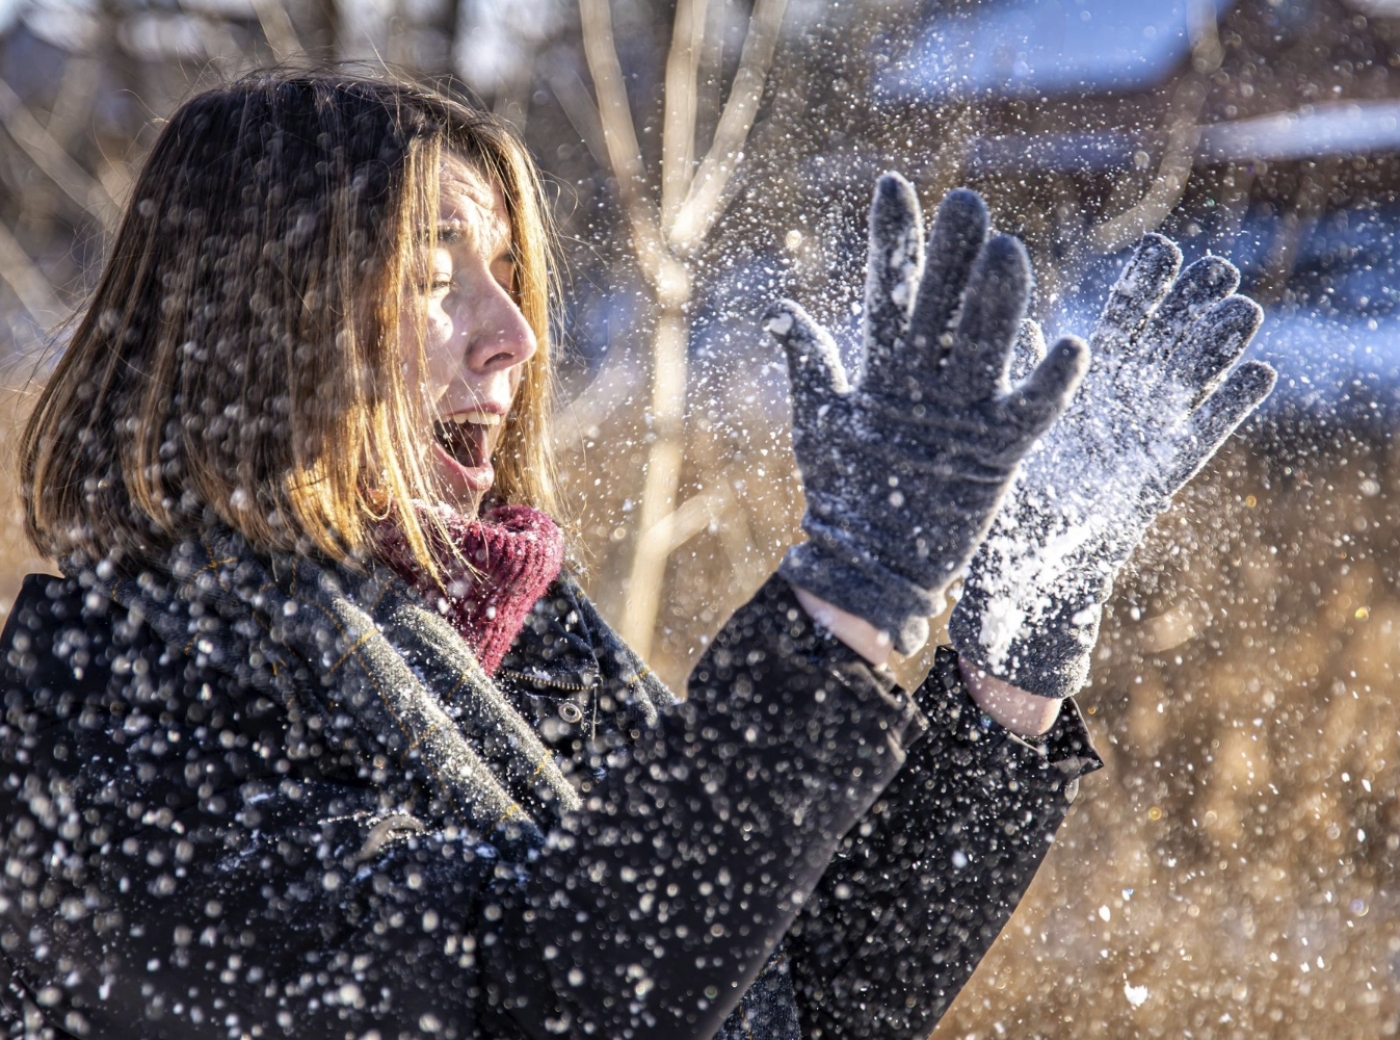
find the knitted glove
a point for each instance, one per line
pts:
(904, 471)
(1160, 398)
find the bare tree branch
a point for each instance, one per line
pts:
(620, 136)
(704, 203)
(74, 102)
(51, 158)
(220, 47)
(709, 87)
(665, 456)
(29, 283)
(655, 545)
(698, 512)
(1183, 135)
(664, 237)
(278, 30)
(682, 102)
(578, 108)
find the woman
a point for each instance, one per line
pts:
(314, 737)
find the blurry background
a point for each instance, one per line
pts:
(1232, 873)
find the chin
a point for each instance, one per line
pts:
(463, 498)
(463, 488)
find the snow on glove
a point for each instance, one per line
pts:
(1162, 394)
(904, 471)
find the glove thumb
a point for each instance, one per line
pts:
(1047, 391)
(814, 364)
(1028, 351)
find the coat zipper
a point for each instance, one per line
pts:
(540, 680)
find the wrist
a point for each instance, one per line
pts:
(830, 567)
(860, 635)
(1024, 713)
(1026, 638)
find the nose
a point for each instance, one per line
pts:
(499, 337)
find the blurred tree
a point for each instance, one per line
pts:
(666, 235)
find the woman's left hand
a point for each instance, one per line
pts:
(1162, 395)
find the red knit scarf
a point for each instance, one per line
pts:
(516, 552)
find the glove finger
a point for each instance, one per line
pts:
(814, 364)
(1028, 351)
(993, 305)
(1141, 286)
(1213, 343)
(1243, 391)
(894, 261)
(1201, 286)
(1047, 391)
(959, 231)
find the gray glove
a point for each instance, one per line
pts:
(1156, 405)
(904, 471)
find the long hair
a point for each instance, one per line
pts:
(240, 359)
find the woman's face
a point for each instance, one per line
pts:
(476, 340)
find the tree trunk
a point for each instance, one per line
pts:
(670, 364)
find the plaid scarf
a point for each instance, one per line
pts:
(362, 668)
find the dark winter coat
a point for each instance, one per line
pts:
(187, 856)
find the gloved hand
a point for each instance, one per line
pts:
(1160, 398)
(904, 471)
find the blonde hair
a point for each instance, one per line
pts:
(240, 359)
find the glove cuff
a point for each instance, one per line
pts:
(1048, 657)
(858, 585)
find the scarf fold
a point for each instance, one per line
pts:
(361, 666)
(507, 559)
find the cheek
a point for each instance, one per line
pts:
(437, 352)
(408, 346)
(517, 376)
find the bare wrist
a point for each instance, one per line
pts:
(1020, 711)
(857, 633)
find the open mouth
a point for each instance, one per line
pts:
(466, 441)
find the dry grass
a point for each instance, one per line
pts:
(1236, 858)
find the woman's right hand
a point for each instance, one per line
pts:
(905, 470)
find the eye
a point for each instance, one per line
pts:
(438, 273)
(439, 282)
